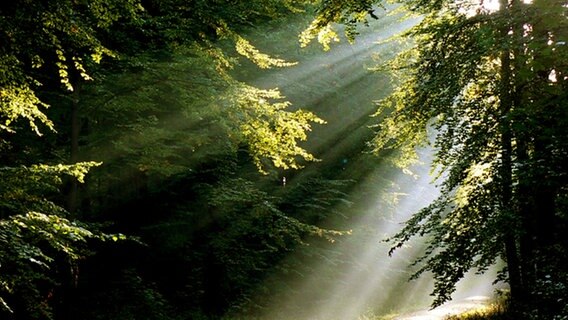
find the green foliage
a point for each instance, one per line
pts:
(36, 238)
(21, 102)
(483, 86)
(163, 115)
(71, 37)
(60, 39)
(257, 234)
(457, 83)
(25, 189)
(236, 193)
(272, 132)
(246, 49)
(316, 196)
(34, 246)
(182, 106)
(456, 98)
(166, 109)
(349, 13)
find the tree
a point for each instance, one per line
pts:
(39, 243)
(467, 81)
(50, 51)
(490, 85)
(64, 41)
(42, 43)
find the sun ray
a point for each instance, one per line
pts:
(338, 86)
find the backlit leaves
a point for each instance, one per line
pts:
(30, 245)
(272, 132)
(325, 35)
(350, 13)
(34, 232)
(21, 102)
(246, 49)
(60, 36)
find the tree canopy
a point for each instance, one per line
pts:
(143, 94)
(65, 55)
(489, 85)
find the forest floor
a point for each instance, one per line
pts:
(448, 309)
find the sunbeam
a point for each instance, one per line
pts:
(339, 87)
(355, 275)
(378, 282)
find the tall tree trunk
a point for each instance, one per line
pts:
(524, 207)
(509, 232)
(506, 104)
(522, 194)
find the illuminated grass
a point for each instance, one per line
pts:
(495, 311)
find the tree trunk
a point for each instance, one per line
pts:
(72, 195)
(510, 232)
(506, 105)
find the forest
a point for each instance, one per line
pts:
(282, 159)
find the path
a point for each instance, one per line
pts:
(448, 309)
